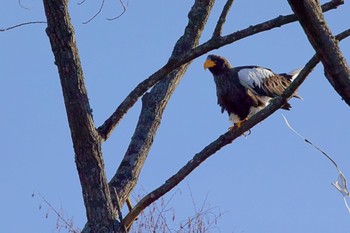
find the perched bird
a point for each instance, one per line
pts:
(245, 90)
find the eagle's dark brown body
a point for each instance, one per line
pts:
(243, 91)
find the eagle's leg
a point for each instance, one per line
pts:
(237, 124)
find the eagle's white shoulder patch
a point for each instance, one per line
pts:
(253, 77)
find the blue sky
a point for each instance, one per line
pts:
(269, 182)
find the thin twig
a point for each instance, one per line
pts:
(108, 126)
(98, 12)
(128, 203)
(120, 214)
(20, 25)
(81, 2)
(222, 19)
(341, 183)
(68, 224)
(309, 142)
(124, 10)
(21, 5)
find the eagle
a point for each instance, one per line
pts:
(245, 90)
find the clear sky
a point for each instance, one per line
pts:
(269, 182)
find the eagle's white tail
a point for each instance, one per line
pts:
(294, 73)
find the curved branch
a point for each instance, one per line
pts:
(21, 24)
(96, 14)
(118, 16)
(224, 140)
(21, 5)
(175, 62)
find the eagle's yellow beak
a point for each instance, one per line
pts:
(209, 64)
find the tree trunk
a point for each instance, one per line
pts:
(86, 142)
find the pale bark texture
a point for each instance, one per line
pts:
(337, 71)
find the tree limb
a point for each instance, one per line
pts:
(86, 141)
(224, 140)
(154, 103)
(337, 71)
(107, 127)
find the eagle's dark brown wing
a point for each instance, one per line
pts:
(263, 81)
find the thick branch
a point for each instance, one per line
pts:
(224, 140)
(337, 71)
(154, 103)
(214, 43)
(86, 141)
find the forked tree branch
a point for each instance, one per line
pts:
(174, 62)
(154, 103)
(315, 26)
(224, 140)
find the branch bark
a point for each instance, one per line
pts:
(214, 43)
(153, 105)
(86, 140)
(225, 139)
(337, 71)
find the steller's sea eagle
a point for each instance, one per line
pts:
(243, 91)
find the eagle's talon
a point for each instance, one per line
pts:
(247, 133)
(239, 123)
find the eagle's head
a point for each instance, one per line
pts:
(216, 64)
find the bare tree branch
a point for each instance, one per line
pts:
(20, 25)
(154, 103)
(81, 2)
(97, 13)
(21, 5)
(224, 140)
(120, 215)
(86, 141)
(107, 127)
(336, 68)
(222, 19)
(100, 10)
(118, 16)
